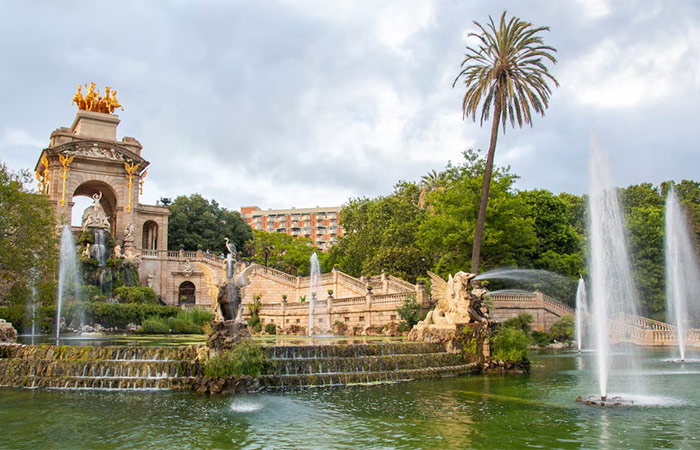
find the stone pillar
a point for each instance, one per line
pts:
(385, 282)
(368, 304)
(421, 298)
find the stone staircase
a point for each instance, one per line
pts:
(108, 368)
(342, 365)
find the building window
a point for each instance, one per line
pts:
(297, 320)
(393, 317)
(320, 320)
(361, 318)
(347, 319)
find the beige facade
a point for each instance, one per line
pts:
(321, 225)
(86, 159)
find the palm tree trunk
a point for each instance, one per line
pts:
(479, 231)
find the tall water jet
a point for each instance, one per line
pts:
(682, 272)
(68, 274)
(613, 293)
(581, 313)
(314, 286)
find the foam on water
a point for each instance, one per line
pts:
(245, 406)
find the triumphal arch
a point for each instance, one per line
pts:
(87, 159)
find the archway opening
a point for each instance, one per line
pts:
(149, 240)
(186, 293)
(82, 199)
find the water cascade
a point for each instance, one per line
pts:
(100, 251)
(581, 313)
(613, 294)
(314, 286)
(68, 274)
(682, 272)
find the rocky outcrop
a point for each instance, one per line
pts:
(241, 384)
(8, 334)
(226, 334)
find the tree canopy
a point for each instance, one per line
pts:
(199, 223)
(28, 239)
(283, 252)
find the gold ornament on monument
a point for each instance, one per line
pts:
(93, 101)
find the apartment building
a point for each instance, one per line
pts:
(318, 224)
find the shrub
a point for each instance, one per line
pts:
(541, 338)
(271, 328)
(196, 316)
(510, 344)
(154, 325)
(16, 315)
(246, 358)
(182, 326)
(410, 311)
(522, 322)
(403, 326)
(563, 329)
(254, 320)
(136, 294)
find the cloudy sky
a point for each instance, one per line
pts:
(305, 103)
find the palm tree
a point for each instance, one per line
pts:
(431, 182)
(505, 72)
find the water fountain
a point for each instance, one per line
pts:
(613, 293)
(581, 313)
(682, 272)
(314, 286)
(68, 274)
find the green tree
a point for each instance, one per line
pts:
(28, 240)
(446, 235)
(505, 72)
(409, 311)
(283, 252)
(199, 223)
(563, 329)
(381, 233)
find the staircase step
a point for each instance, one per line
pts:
(351, 378)
(352, 350)
(335, 365)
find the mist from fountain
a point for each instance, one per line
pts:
(68, 274)
(581, 313)
(682, 272)
(613, 292)
(314, 286)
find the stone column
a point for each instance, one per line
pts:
(368, 304)
(385, 282)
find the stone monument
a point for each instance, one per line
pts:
(459, 310)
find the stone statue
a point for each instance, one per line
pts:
(129, 232)
(186, 267)
(151, 278)
(231, 247)
(458, 301)
(86, 252)
(229, 328)
(132, 257)
(94, 216)
(118, 251)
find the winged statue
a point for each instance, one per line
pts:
(456, 300)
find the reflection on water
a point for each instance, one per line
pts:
(513, 411)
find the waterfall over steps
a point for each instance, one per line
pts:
(108, 368)
(342, 365)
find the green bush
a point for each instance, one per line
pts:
(522, 322)
(136, 294)
(271, 328)
(410, 311)
(541, 338)
(196, 316)
(510, 344)
(403, 326)
(182, 326)
(563, 329)
(254, 320)
(246, 358)
(154, 325)
(16, 315)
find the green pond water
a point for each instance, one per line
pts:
(515, 411)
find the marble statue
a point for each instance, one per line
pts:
(94, 216)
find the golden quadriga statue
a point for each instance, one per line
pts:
(459, 314)
(93, 101)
